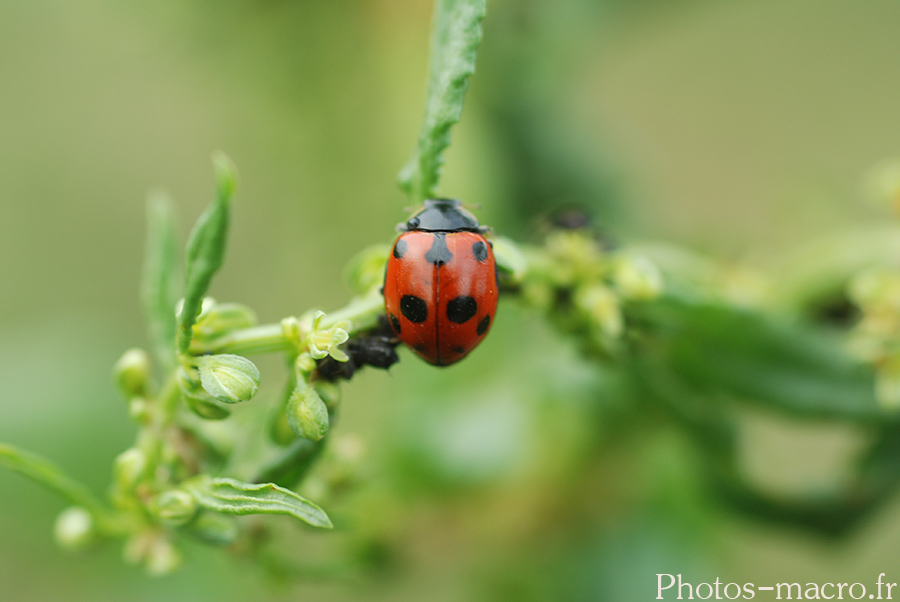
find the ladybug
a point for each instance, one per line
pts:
(441, 283)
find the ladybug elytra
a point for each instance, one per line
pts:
(440, 288)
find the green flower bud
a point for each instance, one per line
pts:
(128, 468)
(154, 549)
(307, 413)
(304, 365)
(75, 529)
(228, 378)
(223, 318)
(136, 547)
(139, 410)
(602, 306)
(577, 257)
(173, 508)
(132, 371)
(162, 557)
(637, 278)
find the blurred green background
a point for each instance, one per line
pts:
(738, 128)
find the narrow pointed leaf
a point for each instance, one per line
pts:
(771, 360)
(50, 475)
(456, 34)
(206, 249)
(160, 277)
(229, 496)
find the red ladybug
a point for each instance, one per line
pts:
(440, 289)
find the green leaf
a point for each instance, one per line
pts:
(228, 378)
(160, 277)
(48, 474)
(206, 249)
(229, 496)
(772, 360)
(456, 34)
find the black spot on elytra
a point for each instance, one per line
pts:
(400, 249)
(461, 309)
(479, 249)
(459, 350)
(395, 323)
(439, 254)
(483, 325)
(414, 308)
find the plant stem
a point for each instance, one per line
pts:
(150, 439)
(48, 474)
(267, 338)
(362, 313)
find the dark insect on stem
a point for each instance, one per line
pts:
(834, 309)
(376, 349)
(579, 218)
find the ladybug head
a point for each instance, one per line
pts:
(442, 215)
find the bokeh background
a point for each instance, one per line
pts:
(739, 129)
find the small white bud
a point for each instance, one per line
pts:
(75, 529)
(129, 466)
(132, 371)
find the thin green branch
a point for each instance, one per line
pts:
(47, 473)
(362, 313)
